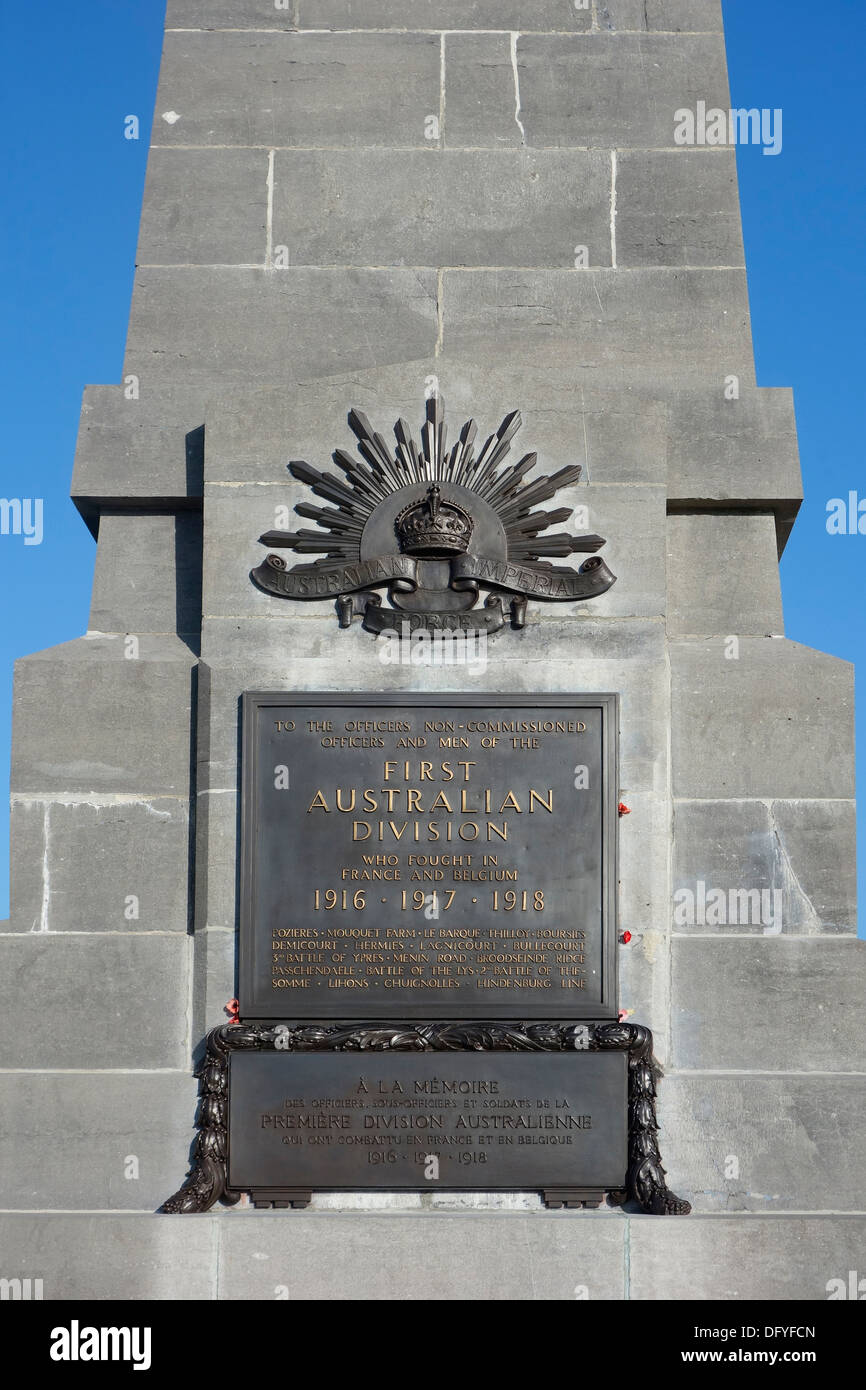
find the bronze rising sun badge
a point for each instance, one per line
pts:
(433, 527)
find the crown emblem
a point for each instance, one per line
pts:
(433, 527)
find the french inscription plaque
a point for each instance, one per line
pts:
(487, 1121)
(418, 858)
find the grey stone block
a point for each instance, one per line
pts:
(217, 837)
(117, 1001)
(150, 448)
(69, 1141)
(442, 207)
(297, 90)
(318, 321)
(778, 1259)
(233, 526)
(612, 327)
(204, 207)
(77, 864)
(415, 1258)
(625, 435)
(678, 209)
(214, 980)
(449, 14)
(780, 1004)
(299, 654)
(723, 575)
(633, 522)
(231, 14)
(799, 1142)
(644, 875)
(673, 16)
(817, 842)
(723, 450)
(617, 437)
(380, 14)
(480, 1201)
(775, 722)
(116, 725)
(480, 96)
(597, 90)
(644, 988)
(802, 849)
(147, 576)
(106, 1257)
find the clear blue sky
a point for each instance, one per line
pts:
(72, 197)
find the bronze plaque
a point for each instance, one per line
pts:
(418, 858)
(483, 1121)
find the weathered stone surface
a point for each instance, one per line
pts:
(802, 849)
(231, 14)
(97, 1257)
(370, 1201)
(583, 91)
(777, 721)
(214, 980)
(644, 987)
(633, 522)
(774, 1004)
(778, 1259)
(147, 576)
(612, 327)
(69, 1140)
(617, 437)
(234, 524)
(320, 321)
(441, 207)
(125, 722)
(621, 651)
(217, 836)
(712, 449)
(796, 1143)
(676, 16)
(818, 847)
(723, 575)
(566, 15)
(727, 450)
(204, 207)
(101, 1001)
(297, 90)
(678, 209)
(412, 1258)
(481, 1201)
(77, 865)
(150, 448)
(480, 95)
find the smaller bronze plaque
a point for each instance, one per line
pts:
(478, 1121)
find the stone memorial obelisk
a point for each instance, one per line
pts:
(367, 206)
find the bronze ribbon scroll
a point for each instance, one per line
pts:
(553, 584)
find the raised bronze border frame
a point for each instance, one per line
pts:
(645, 1177)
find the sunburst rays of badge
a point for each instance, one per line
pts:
(382, 470)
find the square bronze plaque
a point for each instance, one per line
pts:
(462, 1120)
(417, 858)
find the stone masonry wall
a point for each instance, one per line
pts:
(350, 203)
